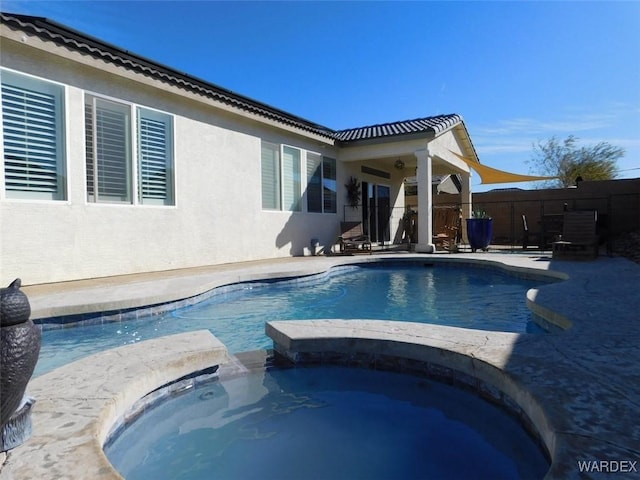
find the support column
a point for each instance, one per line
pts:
(466, 199)
(425, 202)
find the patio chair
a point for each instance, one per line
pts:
(579, 239)
(352, 239)
(551, 227)
(446, 227)
(529, 237)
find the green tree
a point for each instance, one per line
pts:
(568, 162)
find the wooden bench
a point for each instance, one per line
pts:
(352, 239)
(579, 239)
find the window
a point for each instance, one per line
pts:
(329, 186)
(109, 157)
(282, 180)
(155, 168)
(108, 143)
(291, 181)
(33, 137)
(270, 176)
(321, 184)
(314, 182)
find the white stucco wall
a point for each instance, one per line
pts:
(217, 218)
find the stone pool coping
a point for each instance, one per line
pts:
(504, 368)
(579, 387)
(77, 405)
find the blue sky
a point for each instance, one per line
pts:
(518, 72)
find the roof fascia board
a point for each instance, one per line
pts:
(468, 149)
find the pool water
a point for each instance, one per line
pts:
(446, 295)
(325, 423)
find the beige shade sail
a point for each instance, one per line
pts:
(493, 175)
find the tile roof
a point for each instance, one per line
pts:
(81, 42)
(72, 39)
(432, 125)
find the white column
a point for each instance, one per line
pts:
(425, 201)
(466, 199)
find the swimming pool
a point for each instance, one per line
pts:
(325, 422)
(469, 297)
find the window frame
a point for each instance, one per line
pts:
(325, 182)
(169, 153)
(296, 204)
(302, 194)
(315, 183)
(134, 161)
(40, 86)
(100, 107)
(275, 173)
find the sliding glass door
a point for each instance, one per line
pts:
(376, 211)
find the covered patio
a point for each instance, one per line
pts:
(381, 157)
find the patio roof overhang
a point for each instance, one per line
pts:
(394, 144)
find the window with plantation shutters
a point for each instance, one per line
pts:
(108, 162)
(155, 159)
(285, 170)
(32, 135)
(314, 182)
(291, 181)
(321, 184)
(329, 187)
(270, 163)
(110, 142)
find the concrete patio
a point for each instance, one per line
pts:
(579, 388)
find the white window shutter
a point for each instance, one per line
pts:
(31, 122)
(155, 162)
(270, 165)
(291, 182)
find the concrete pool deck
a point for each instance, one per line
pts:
(580, 387)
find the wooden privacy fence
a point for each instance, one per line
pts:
(617, 214)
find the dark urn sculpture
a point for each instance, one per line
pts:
(19, 349)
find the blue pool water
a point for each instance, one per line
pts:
(326, 423)
(447, 295)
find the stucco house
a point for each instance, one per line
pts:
(114, 164)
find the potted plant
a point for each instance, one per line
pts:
(408, 225)
(479, 230)
(353, 191)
